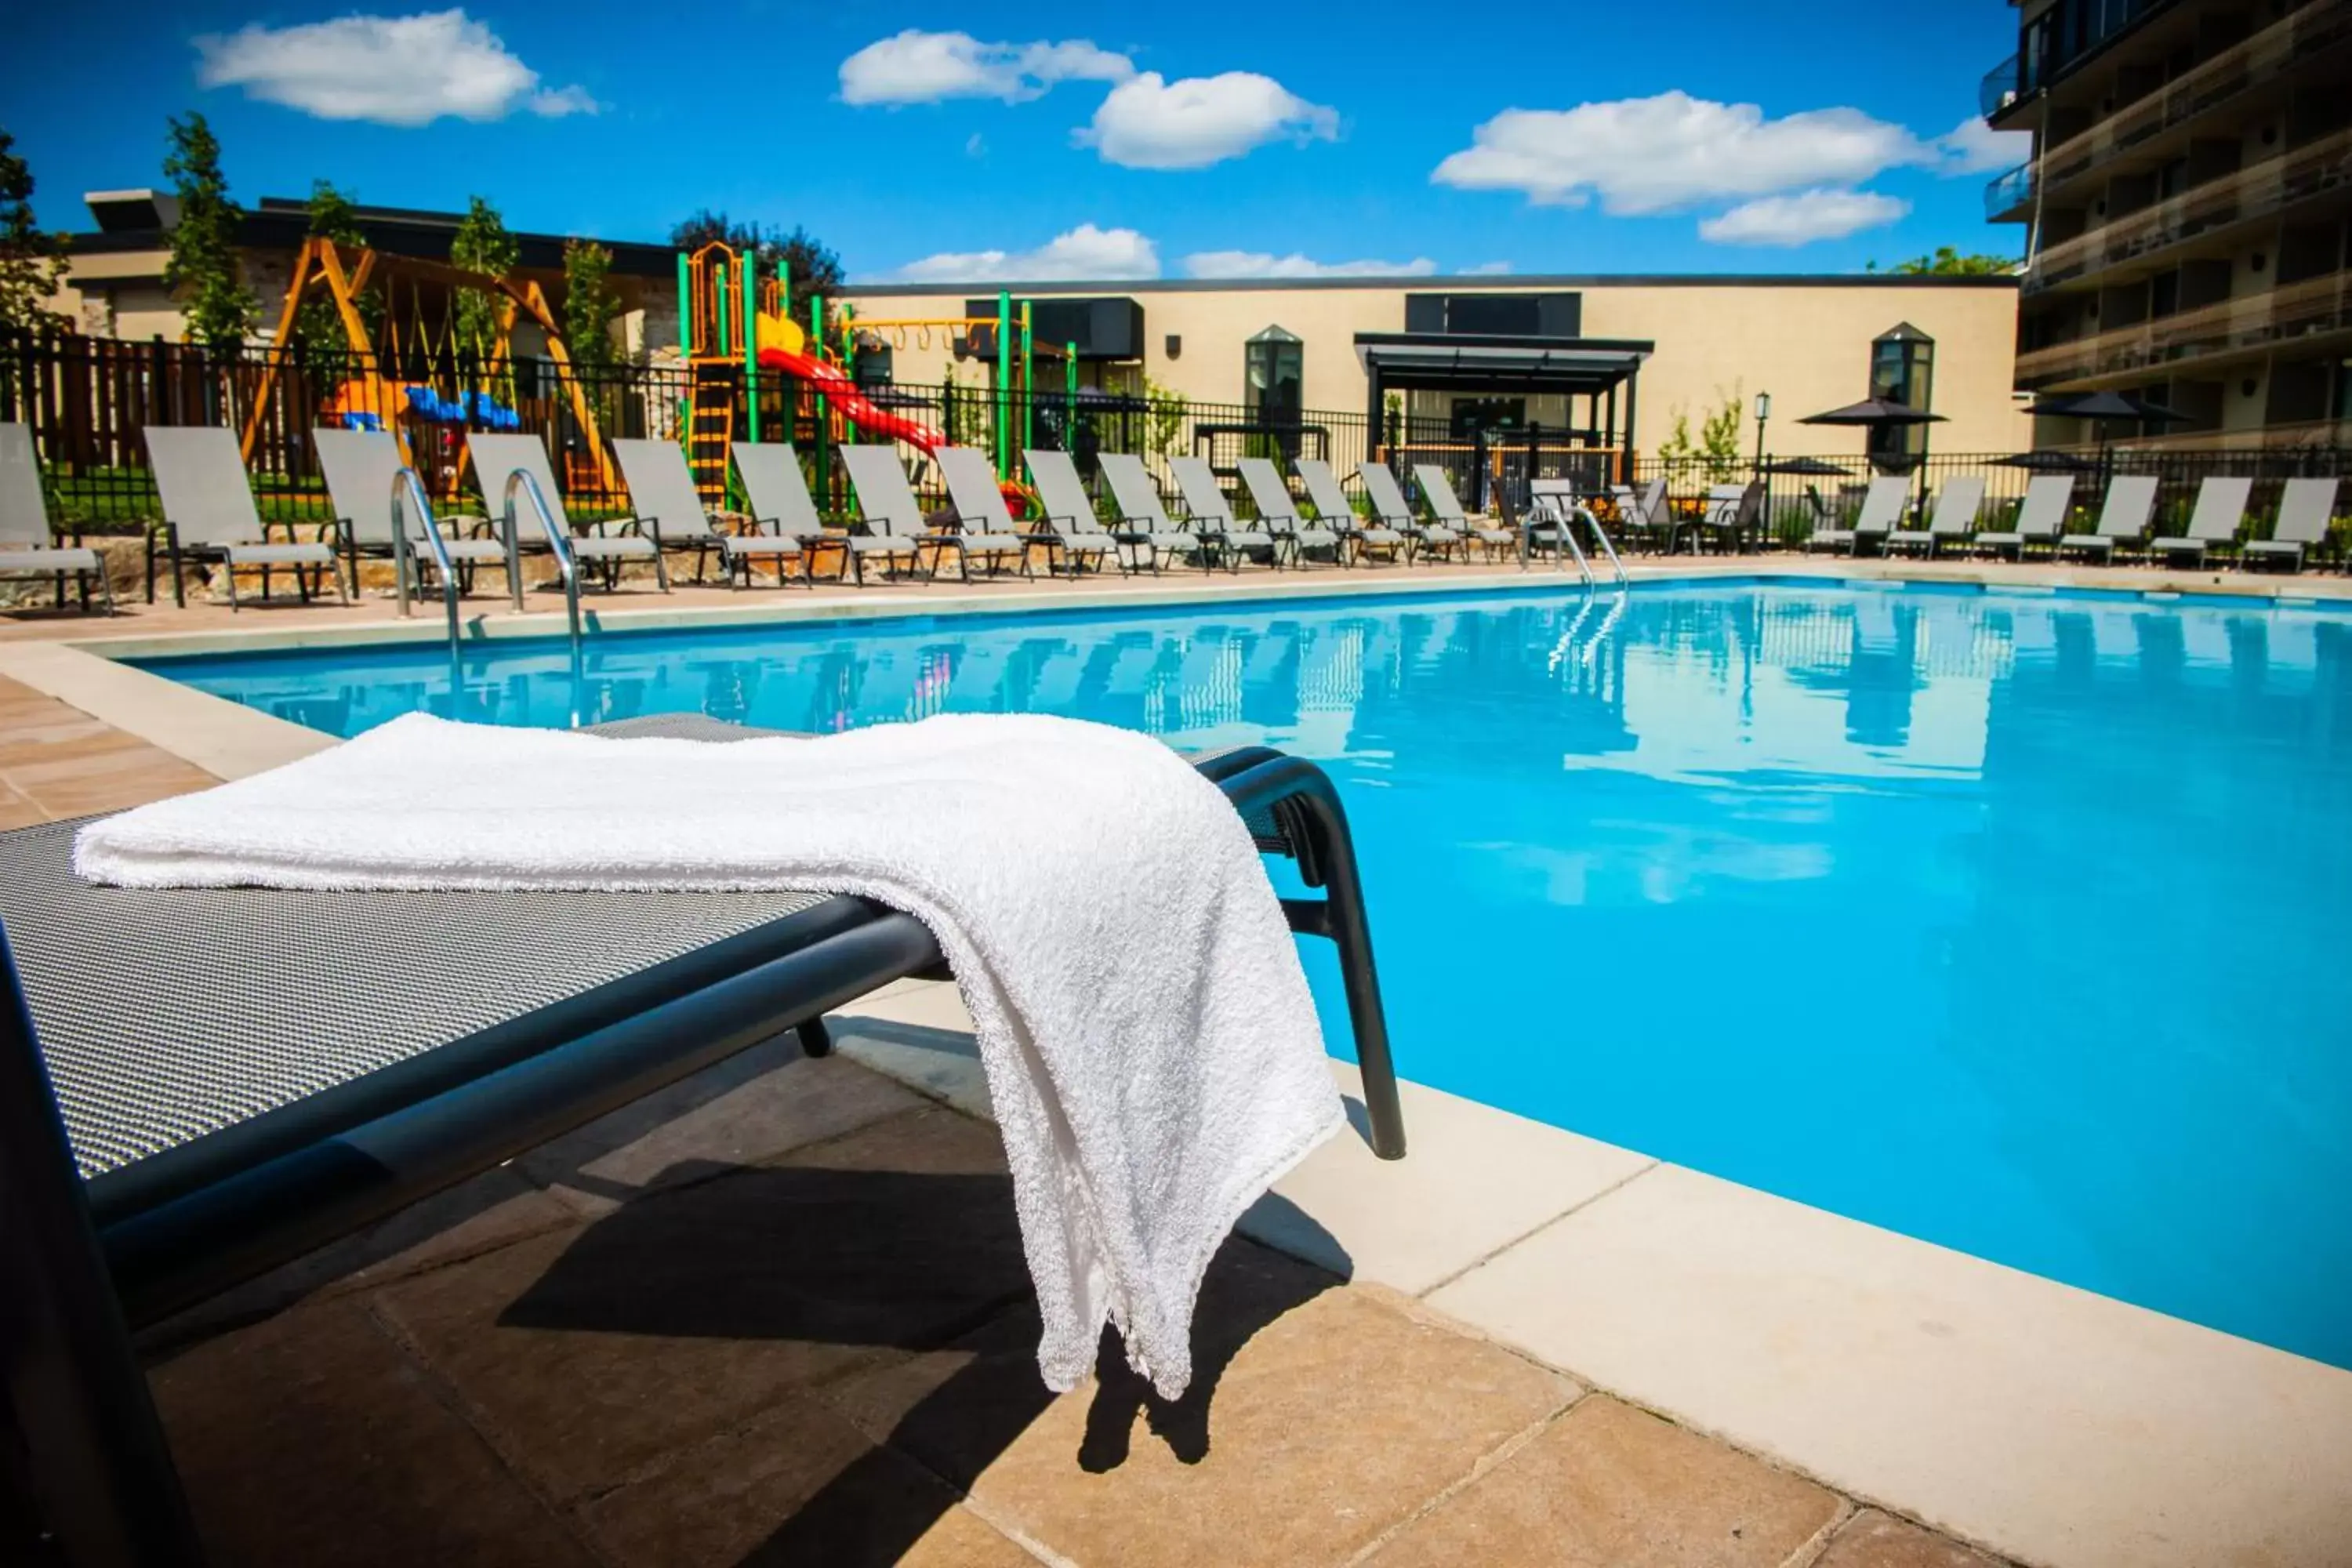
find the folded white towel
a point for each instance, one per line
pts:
(1151, 1046)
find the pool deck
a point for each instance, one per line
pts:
(1532, 1301)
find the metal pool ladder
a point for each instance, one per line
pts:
(559, 543)
(407, 487)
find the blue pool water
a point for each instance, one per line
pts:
(2010, 922)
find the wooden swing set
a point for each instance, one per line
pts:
(345, 273)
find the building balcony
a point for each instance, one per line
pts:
(2000, 88)
(2288, 45)
(2010, 197)
(2260, 190)
(2250, 321)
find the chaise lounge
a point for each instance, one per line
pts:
(208, 515)
(27, 546)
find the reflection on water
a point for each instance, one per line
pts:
(2000, 920)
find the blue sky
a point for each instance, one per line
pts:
(1214, 138)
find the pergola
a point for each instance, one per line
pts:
(1605, 372)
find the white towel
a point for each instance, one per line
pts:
(1151, 1046)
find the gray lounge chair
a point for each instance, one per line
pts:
(28, 548)
(1392, 510)
(208, 515)
(2040, 518)
(1213, 515)
(1953, 522)
(777, 490)
(1072, 531)
(157, 1147)
(1143, 516)
(669, 507)
(498, 458)
(1881, 509)
(359, 466)
(1438, 490)
(1332, 510)
(1278, 512)
(896, 529)
(985, 525)
(2220, 513)
(2123, 520)
(2306, 509)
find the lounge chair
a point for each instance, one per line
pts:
(1070, 529)
(1278, 512)
(1213, 515)
(2307, 507)
(984, 523)
(1954, 522)
(777, 491)
(157, 1147)
(1142, 516)
(208, 515)
(498, 458)
(1332, 510)
(895, 528)
(28, 548)
(1644, 517)
(1438, 490)
(669, 507)
(360, 465)
(2040, 518)
(1881, 509)
(1392, 510)
(2219, 512)
(2123, 520)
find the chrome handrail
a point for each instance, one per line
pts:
(558, 545)
(407, 486)
(1546, 511)
(1602, 534)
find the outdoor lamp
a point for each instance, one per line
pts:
(1763, 406)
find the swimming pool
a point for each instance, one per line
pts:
(2005, 921)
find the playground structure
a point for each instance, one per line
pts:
(373, 400)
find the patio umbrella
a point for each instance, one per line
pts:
(2049, 462)
(2105, 406)
(1805, 466)
(1874, 411)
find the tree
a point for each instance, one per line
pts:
(32, 264)
(1163, 414)
(1948, 262)
(1715, 453)
(318, 325)
(589, 303)
(203, 272)
(482, 245)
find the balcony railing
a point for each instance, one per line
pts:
(2251, 193)
(2254, 320)
(2009, 193)
(2285, 45)
(1999, 88)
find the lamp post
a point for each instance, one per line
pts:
(1763, 412)
(1764, 508)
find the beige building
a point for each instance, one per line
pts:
(1611, 356)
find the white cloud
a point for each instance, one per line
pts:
(1266, 264)
(1973, 147)
(1083, 254)
(1803, 219)
(1487, 270)
(916, 67)
(1658, 155)
(1150, 122)
(394, 70)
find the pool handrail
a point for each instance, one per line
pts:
(558, 545)
(407, 486)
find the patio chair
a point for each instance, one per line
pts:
(498, 458)
(1213, 515)
(2123, 520)
(1645, 516)
(1332, 510)
(1276, 507)
(1954, 521)
(28, 547)
(1142, 516)
(2214, 524)
(359, 466)
(208, 516)
(669, 507)
(157, 1147)
(1392, 510)
(1554, 505)
(776, 489)
(1881, 509)
(2307, 507)
(1070, 529)
(1438, 490)
(984, 523)
(2040, 518)
(892, 520)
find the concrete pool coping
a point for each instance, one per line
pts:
(2042, 1421)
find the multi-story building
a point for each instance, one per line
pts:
(2186, 206)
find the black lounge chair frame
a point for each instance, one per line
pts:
(85, 1477)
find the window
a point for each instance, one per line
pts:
(1275, 367)
(1902, 369)
(1472, 414)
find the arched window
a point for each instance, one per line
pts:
(1275, 366)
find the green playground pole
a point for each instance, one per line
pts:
(748, 270)
(1070, 374)
(1003, 375)
(685, 295)
(824, 425)
(1028, 388)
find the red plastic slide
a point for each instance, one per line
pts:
(853, 405)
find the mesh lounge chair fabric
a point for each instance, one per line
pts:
(1078, 534)
(1275, 509)
(1213, 514)
(1143, 514)
(2040, 517)
(1332, 510)
(1955, 518)
(497, 459)
(1390, 506)
(1882, 508)
(2214, 524)
(208, 512)
(2307, 507)
(359, 466)
(1437, 489)
(778, 491)
(2123, 519)
(985, 525)
(662, 493)
(27, 547)
(886, 503)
